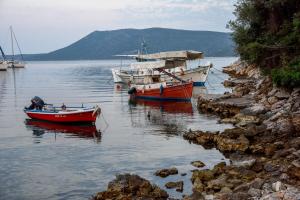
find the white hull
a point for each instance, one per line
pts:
(17, 65)
(197, 75)
(3, 66)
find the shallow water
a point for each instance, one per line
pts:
(40, 160)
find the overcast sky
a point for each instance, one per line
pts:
(46, 25)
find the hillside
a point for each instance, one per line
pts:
(106, 44)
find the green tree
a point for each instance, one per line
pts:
(267, 33)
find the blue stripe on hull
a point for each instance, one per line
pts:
(199, 84)
(162, 99)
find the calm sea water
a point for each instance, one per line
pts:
(40, 160)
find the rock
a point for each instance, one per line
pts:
(254, 192)
(128, 187)
(258, 166)
(244, 163)
(291, 193)
(219, 168)
(256, 109)
(166, 172)
(225, 190)
(242, 188)
(270, 149)
(257, 183)
(294, 169)
(202, 175)
(219, 183)
(296, 122)
(197, 185)
(229, 145)
(277, 186)
(282, 94)
(178, 185)
(239, 196)
(272, 100)
(209, 197)
(270, 167)
(198, 164)
(284, 126)
(183, 174)
(284, 177)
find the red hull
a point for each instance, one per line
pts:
(181, 92)
(72, 117)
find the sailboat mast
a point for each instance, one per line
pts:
(12, 43)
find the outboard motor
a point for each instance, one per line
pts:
(36, 103)
(132, 90)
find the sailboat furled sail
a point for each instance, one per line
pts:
(15, 63)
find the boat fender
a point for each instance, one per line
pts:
(161, 89)
(132, 90)
(97, 111)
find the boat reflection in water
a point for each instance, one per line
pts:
(165, 106)
(39, 128)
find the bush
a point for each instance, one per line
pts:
(286, 77)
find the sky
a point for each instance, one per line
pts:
(42, 26)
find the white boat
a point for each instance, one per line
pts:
(3, 63)
(175, 58)
(15, 63)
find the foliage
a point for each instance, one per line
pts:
(267, 33)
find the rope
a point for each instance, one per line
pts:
(17, 44)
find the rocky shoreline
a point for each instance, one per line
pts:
(263, 148)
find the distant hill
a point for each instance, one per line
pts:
(106, 44)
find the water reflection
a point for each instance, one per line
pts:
(39, 128)
(163, 106)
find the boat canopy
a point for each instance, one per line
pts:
(161, 64)
(174, 55)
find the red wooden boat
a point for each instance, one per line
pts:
(64, 116)
(164, 91)
(39, 110)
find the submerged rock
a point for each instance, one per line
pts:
(166, 172)
(198, 164)
(177, 185)
(127, 187)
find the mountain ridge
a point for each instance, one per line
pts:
(106, 44)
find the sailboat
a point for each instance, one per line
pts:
(3, 63)
(15, 63)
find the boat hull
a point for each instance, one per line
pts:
(63, 117)
(3, 66)
(179, 92)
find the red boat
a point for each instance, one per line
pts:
(163, 91)
(39, 110)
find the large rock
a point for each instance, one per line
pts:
(127, 186)
(230, 145)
